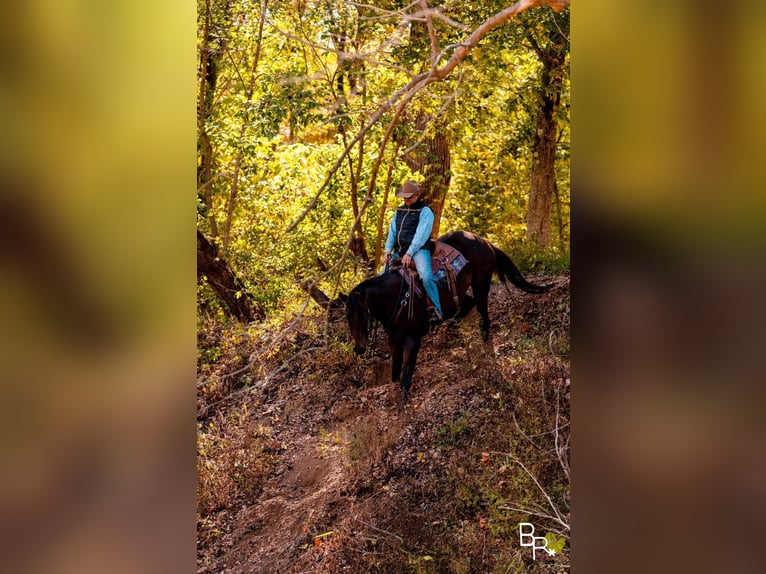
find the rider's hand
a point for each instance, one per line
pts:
(387, 258)
(408, 262)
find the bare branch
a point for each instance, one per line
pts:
(566, 38)
(368, 57)
(561, 450)
(533, 513)
(558, 518)
(428, 14)
(382, 11)
(379, 530)
(444, 51)
(495, 21)
(449, 21)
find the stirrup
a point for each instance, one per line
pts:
(434, 316)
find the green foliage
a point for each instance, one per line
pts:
(555, 543)
(308, 102)
(551, 261)
(449, 434)
(421, 564)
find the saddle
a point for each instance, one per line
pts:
(446, 263)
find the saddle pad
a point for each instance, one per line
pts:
(443, 255)
(447, 255)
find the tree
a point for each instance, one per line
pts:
(550, 41)
(240, 152)
(216, 272)
(208, 77)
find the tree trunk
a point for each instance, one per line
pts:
(208, 78)
(382, 218)
(543, 179)
(437, 177)
(214, 43)
(432, 159)
(358, 244)
(321, 299)
(225, 283)
(238, 160)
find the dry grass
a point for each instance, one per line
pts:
(318, 470)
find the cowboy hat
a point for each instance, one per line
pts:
(408, 189)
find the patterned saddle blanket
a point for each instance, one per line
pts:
(446, 263)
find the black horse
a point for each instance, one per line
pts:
(380, 297)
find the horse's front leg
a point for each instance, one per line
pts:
(411, 348)
(396, 361)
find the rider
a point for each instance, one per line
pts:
(409, 237)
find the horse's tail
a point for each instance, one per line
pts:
(507, 271)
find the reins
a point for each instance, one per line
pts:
(404, 302)
(372, 330)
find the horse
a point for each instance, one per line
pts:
(381, 298)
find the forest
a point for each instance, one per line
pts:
(310, 114)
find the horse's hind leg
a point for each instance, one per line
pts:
(466, 305)
(481, 293)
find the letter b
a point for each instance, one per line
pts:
(528, 535)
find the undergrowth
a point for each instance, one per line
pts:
(234, 455)
(445, 490)
(550, 261)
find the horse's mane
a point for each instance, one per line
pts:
(374, 281)
(357, 301)
(355, 296)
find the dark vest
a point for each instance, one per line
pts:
(407, 219)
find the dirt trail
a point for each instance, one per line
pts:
(356, 478)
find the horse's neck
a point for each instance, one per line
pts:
(384, 295)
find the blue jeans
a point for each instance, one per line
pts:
(422, 260)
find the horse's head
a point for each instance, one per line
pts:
(358, 316)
